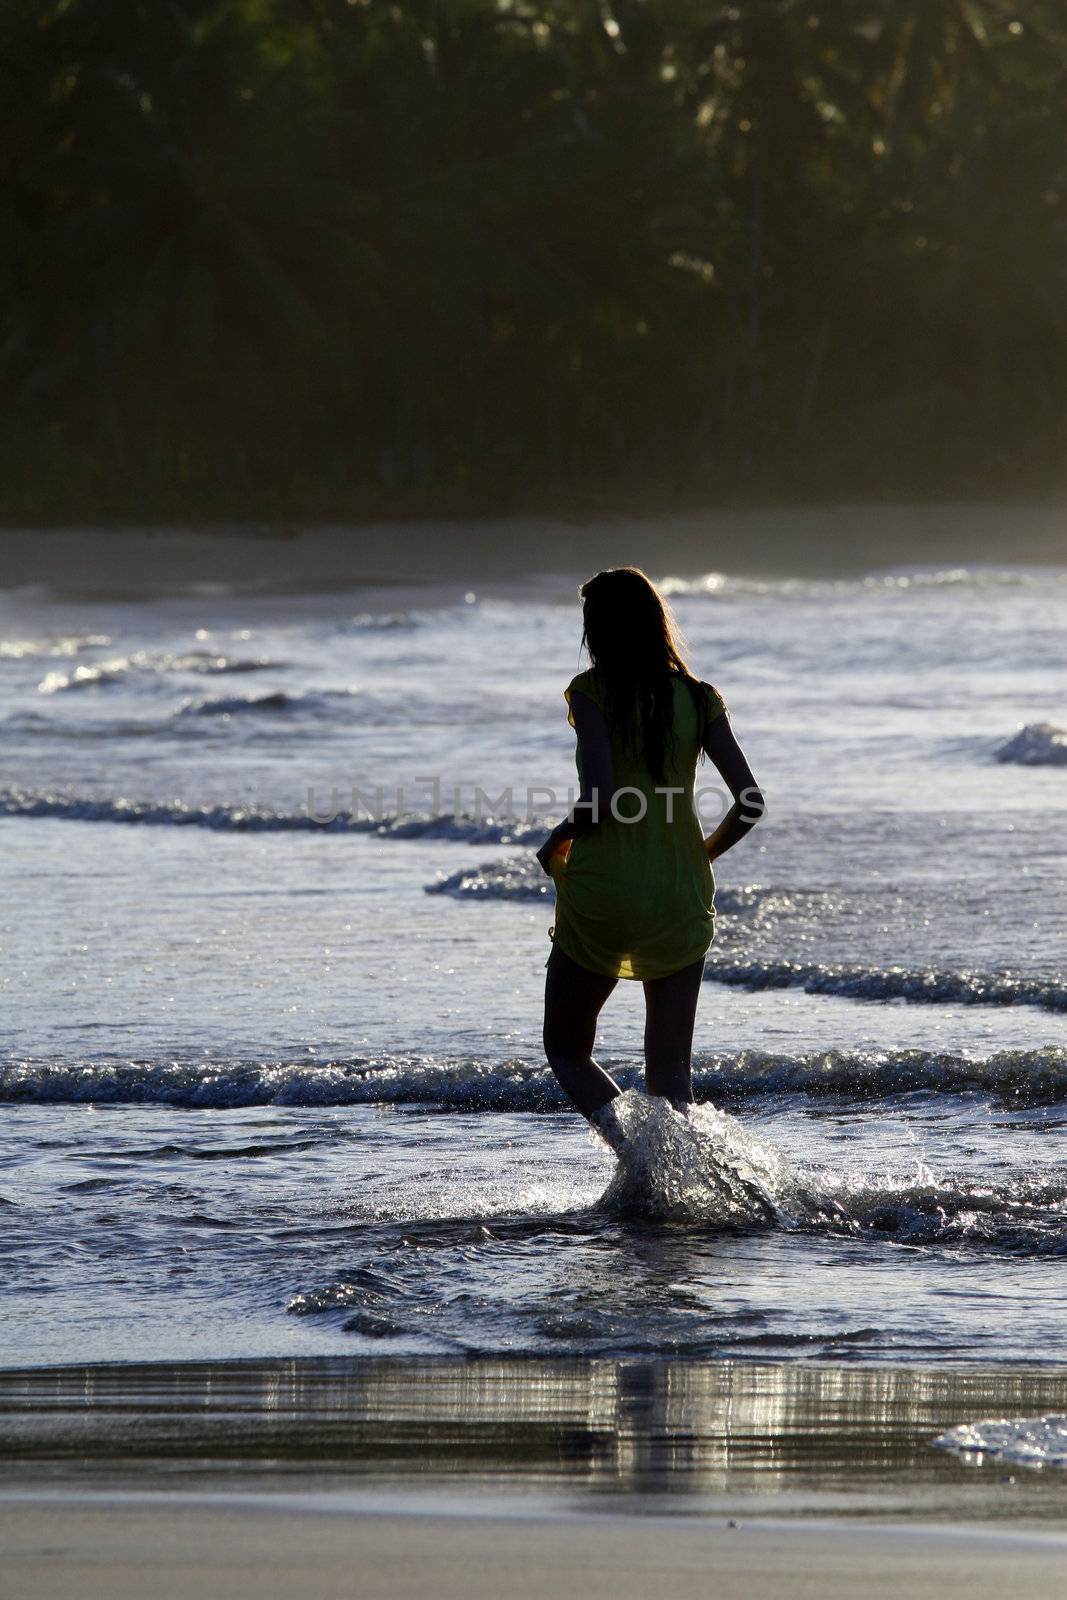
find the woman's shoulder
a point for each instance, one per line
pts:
(709, 701)
(587, 683)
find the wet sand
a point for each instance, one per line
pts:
(453, 1477)
(64, 1550)
(806, 1438)
(824, 1433)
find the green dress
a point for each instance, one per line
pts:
(636, 899)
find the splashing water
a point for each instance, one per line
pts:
(698, 1167)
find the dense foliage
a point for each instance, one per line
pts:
(313, 248)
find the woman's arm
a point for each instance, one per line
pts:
(598, 778)
(748, 806)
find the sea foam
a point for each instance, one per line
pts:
(253, 818)
(1024, 1441)
(1015, 1078)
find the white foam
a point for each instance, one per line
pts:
(897, 579)
(23, 649)
(1025, 1441)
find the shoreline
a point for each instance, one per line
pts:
(692, 1438)
(287, 559)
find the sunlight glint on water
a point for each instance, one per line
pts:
(275, 1089)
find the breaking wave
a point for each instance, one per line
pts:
(1038, 744)
(86, 676)
(703, 1167)
(58, 646)
(497, 880)
(919, 985)
(233, 705)
(262, 819)
(713, 584)
(97, 674)
(1014, 1078)
(521, 878)
(381, 622)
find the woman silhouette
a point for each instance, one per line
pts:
(632, 869)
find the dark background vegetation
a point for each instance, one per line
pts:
(348, 254)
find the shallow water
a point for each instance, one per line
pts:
(275, 1088)
(646, 1436)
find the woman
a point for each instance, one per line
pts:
(632, 870)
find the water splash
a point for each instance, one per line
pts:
(701, 1166)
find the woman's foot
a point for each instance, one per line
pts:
(607, 1123)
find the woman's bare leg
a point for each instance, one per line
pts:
(573, 998)
(670, 1016)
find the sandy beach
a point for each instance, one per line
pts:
(66, 1549)
(407, 1478)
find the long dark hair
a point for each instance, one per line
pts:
(636, 650)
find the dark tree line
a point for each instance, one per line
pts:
(312, 249)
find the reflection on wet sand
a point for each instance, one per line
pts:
(796, 1435)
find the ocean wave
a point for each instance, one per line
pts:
(262, 819)
(381, 622)
(705, 1167)
(68, 645)
(85, 676)
(315, 703)
(235, 704)
(468, 1085)
(497, 880)
(919, 985)
(1012, 1214)
(1013, 1078)
(1016, 1078)
(173, 813)
(711, 585)
(522, 878)
(1022, 1441)
(755, 907)
(1038, 744)
(119, 670)
(83, 729)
